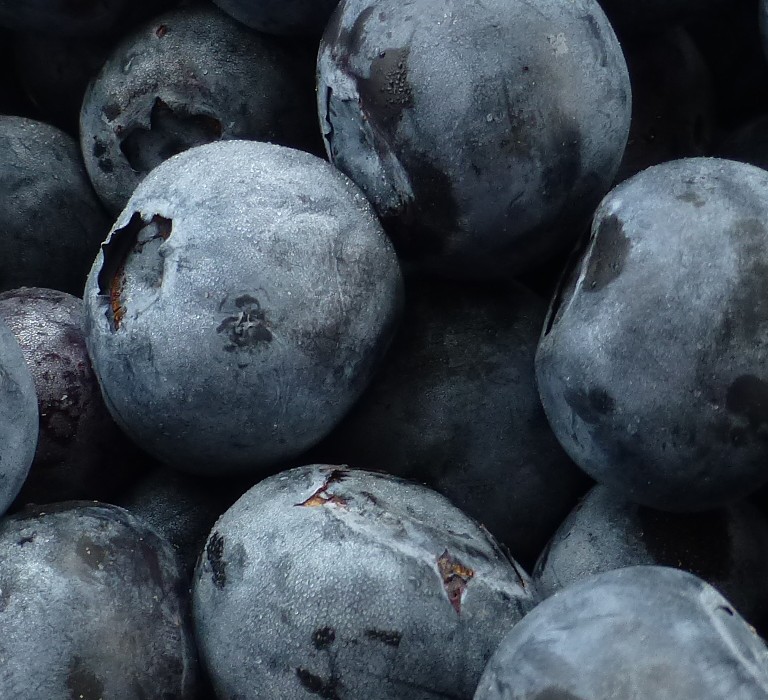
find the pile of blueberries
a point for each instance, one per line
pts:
(383, 350)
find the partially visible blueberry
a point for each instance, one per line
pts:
(187, 78)
(455, 406)
(81, 453)
(281, 16)
(483, 133)
(728, 548)
(51, 220)
(349, 584)
(748, 143)
(240, 306)
(18, 418)
(639, 632)
(93, 605)
(652, 363)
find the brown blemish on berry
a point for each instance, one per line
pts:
(455, 578)
(321, 497)
(161, 31)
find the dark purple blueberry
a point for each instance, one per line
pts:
(93, 604)
(240, 306)
(728, 548)
(639, 632)
(651, 367)
(18, 418)
(187, 78)
(52, 222)
(281, 16)
(483, 133)
(455, 406)
(350, 584)
(672, 101)
(181, 507)
(81, 453)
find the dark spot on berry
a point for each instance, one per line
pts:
(214, 552)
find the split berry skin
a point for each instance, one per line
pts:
(52, 222)
(285, 17)
(93, 605)
(639, 632)
(727, 548)
(346, 583)
(483, 133)
(651, 366)
(81, 453)
(189, 77)
(455, 406)
(240, 306)
(18, 418)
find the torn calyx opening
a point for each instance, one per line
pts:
(122, 244)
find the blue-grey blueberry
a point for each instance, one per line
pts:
(455, 406)
(728, 548)
(81, 453)
(638, 632)
(188, 77)
(19, 423)
(350, 584)
(483, 133)
(652, 363)
(93, 604)
(51, 222)
(240, 306)
(281, 16)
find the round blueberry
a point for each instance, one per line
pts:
(93, 605)
(52, 222)
(281, 16)
(639, 632)
(483, 133)
(187, 78)
(350, 584)
(239, 306)
(651, 367)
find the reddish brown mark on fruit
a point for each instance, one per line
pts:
(321, 497)
(161, 31)
(455, 576)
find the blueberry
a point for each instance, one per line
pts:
(748, 143)
(350, 584)
(651, 367)
(639, 632)
(186, 78)
(455, 406)
(51, 220)
(18, 418)
(81, 453)
(93, 605)
(181, 507)
(482, 132)
(727, 548)
(281, 16)
(239, 306)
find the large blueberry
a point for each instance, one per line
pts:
(93, 605)
(239, 306)
(728, 548)
(281, 16)
(455, 406)
(482, 132)
(18, 418)
(186, 78)
(652, 364)
(349, 584)
(81, 453)
(639, 632)
(51, 221)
